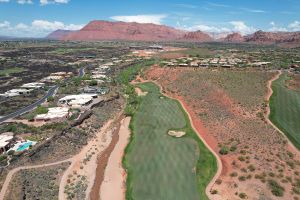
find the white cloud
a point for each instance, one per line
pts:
(21, 26)
(253, 10)
(155, 19)
(294, 26)
(4, 24)
(45, 2)
(24, 2)
(241, 27)
(38, 28)
(47, 25)
(186, 5)
(275, 28)
(207, 28)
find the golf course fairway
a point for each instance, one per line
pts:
(285, 109)
(158, 165)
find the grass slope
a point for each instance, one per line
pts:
(285, 109)
(158, 165)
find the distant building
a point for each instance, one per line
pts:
(35, 85)
(6, 141)
(96, 90)
(77, 100)
(16, 92)
(56, 114)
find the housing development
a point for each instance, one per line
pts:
(128, 108)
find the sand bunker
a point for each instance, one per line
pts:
(177, 134)
(140, 92)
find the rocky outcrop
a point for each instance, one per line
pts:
(58, 34)
(234, 37)
(105, 30)
(197, 36)
(273, 37)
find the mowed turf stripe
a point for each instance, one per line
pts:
(285, 109)
(158, 165)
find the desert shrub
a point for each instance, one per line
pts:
(276, 189)
(50, 99)
(214, 192)
(242, 178)
(242, 195)
(41, 110)
(233, 148)
(271, 174)
(93, 83)
(291, 164)
(290, 154)
(243, 152)
(251, 168)
(218, 181)
(11, 152)
(2, 157)
(223, 150)
(296, 190)
(244, 170)
(241, 158)
(234, 174)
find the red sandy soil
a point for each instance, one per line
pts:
(267, 151)
(294, 83)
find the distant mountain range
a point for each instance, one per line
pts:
(58, 34)
(131, 31)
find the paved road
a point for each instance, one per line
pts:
(26, 109)
(29, 108)
(81, 72)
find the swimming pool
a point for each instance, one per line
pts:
(24, 146)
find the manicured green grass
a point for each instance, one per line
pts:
(285, 109)
(160, 166)
(6, 72)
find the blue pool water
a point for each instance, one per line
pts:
(24, 146)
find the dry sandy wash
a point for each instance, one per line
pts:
(113, 186)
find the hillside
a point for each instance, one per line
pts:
(105, 30)
(197, 36)
(233, 37)
(58, 34)
(132, 31)
(274, 37)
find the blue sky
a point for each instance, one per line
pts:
(39, 17)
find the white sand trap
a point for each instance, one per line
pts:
(177, 134)
(140, 92)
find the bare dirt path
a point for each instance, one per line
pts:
(113, 186)
(219, 162)
(268, 111)
(14, 171)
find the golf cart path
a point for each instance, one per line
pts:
(11, 173)
(219, 162)
(267, 115)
